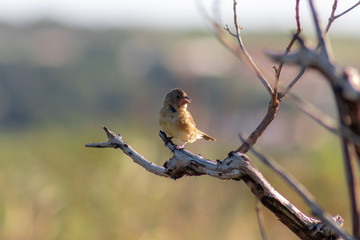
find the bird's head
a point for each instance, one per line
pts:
(177, 98)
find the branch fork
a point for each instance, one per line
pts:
(236, 166)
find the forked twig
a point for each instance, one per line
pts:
(333, 17)
(234, 167)
(287, 50)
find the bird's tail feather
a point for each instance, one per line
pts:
(207, 137)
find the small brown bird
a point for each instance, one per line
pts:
(177, 122)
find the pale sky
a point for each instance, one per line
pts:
(170, 14)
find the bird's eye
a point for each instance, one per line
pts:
(177, 96)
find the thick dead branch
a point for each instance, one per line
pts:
(304, 193)
(345, 81)
(235, 167)
(345, 84)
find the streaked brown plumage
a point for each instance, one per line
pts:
(177, 121)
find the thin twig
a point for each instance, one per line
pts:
(348, 157)
(287, 89)
(319, 32)
(348, 10)
(260, 218)
(349, 168)
(319, 117)
(288, 48)
(333, 17)
(247, 57)
(323, 119)
(254, 136)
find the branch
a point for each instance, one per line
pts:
(243, 54)
(235, 167)
(346, 88)
(254, 136)
(345, 114)
(324, 120)
(319, 32)
(260, 219)
(287, 50)
(116, 141)
(292, 83)
(304, 193)
(344, 81)
(333, 17)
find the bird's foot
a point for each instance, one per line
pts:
(181, 146)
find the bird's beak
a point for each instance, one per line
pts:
(185, 100)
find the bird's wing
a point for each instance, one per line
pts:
(191, 120)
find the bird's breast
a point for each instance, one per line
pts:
(178, 124)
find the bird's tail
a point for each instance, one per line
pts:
(207, 137)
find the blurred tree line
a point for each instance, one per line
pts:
(52, 187)
(50, 72)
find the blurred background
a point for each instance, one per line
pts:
(69, 67)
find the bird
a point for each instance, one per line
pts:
(177, 121)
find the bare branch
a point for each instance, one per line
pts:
(287, 50)
(116, 141)
(254, 136)
(315, 114)
(319, 32)
(348, 157)
(323, 120)
(260, 219)
(235, 167)
(303, 192)
(292, 83)
(346, 87)
(245, 55)
(333, 17)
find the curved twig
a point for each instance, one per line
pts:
(246, 57)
